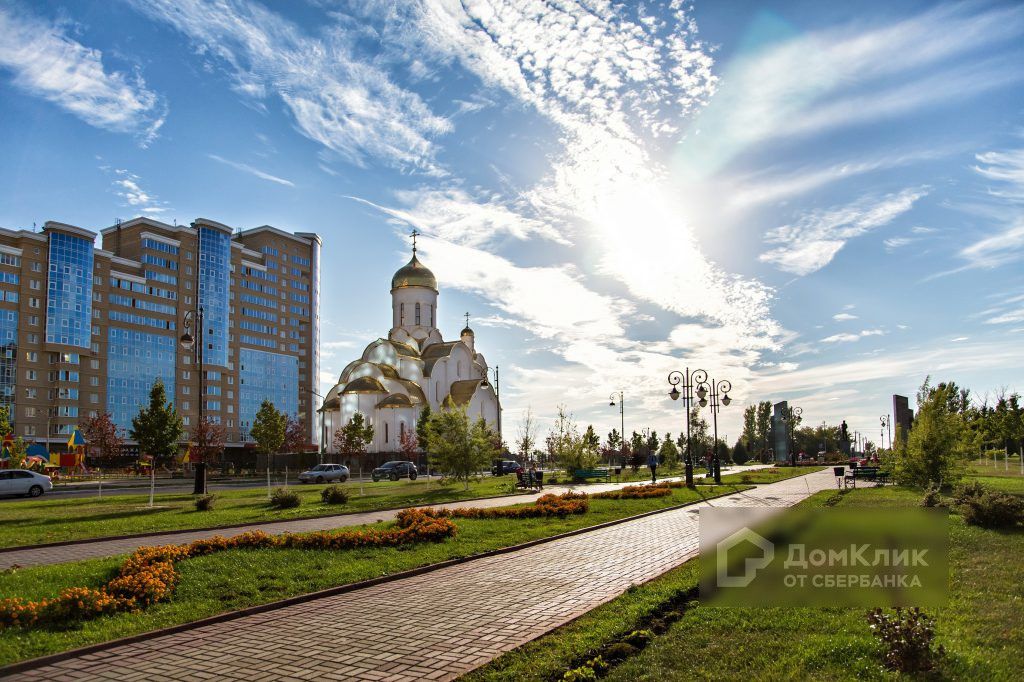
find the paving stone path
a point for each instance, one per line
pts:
(38, 556)
(434, 626)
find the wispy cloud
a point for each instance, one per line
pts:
(246, 168)
(47, 63)
(128, 187)
(813, 241)
(338, 99)
(843, 317)
(848, 338)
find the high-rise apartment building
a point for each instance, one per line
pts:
(87, 330)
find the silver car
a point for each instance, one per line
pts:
(24, 482)
(323, 473)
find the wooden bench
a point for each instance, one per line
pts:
(585, 474)
(873, 474)
(526, 482)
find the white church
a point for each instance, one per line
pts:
(413, 366)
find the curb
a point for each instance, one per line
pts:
(50, 659)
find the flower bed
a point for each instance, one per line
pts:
(636, 492)
(545, 505)
(149, 576)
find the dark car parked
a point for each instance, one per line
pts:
(394, 471)
(506, 466)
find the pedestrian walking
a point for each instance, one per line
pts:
(652, 464)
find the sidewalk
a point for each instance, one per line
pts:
(434, 626)
(39, 556)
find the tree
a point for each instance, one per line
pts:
(527, 436)
(568, 446)
(591, 441)
(763, 428)
(206, 441)
(408, 444)
(101, 436)
(158, 429)
(739, 452)
(353, 438)
(295, 438)
(614, 441)
(19, 452)
(422, 424)
(457, 448)
(669, 453)
(750, 426)
(700, 435)
(5, 420)
(652, 444)
(931, 454)
(268, 429)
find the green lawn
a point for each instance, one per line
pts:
(982, 628)
(762, 476)
(240, 578)
(54, 519)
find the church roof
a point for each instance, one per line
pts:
(364, 385)
(414, 274)
(388, 371)
(462, 391)
(395, 400)
(415, 392)
(435, 352)
(330, 404)
(466, 330)
(405, 349)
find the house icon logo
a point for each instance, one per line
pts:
(751, 564)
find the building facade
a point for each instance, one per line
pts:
(395, 377)
(87, 330)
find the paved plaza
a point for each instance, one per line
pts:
(434, 626)
(40, 556)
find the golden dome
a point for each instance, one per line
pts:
(414, 274)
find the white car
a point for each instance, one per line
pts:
(24, 482)
(322, 473)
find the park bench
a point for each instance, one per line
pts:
(525, 481)
(585, 474)
(873, 474)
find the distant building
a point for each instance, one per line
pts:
(88, 330)
(414, 366)
(903, 416)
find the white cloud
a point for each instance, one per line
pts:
(337, 99)
(246, 168)
(843, 317)
(47, 63)
(813, 241)
(142, 202)
(1007, 245)
(849, 338)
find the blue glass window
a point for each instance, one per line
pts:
(135, 360)
(266, 376)
(214, 279)
(8, 359)
(69, 295)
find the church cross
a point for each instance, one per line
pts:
(467, 320)
(414, 235)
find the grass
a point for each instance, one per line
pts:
(57, 520)
(240, 578)
(773, 475)
(980, 628)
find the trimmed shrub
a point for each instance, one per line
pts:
(205, 503)
(906, 636)
(967, 491)
(993, 509)
(334, 494)
(545, 505)
(284, 499)
(932, 497)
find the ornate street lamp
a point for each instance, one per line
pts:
(194, 320)
(884, 419)
(718, 392)
(622, 420)
(687, 381)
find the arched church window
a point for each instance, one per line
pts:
(385, 432)
(437, 392)
(401, 314)
(417, 313)
(401, 430)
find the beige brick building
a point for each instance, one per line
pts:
(87, 330)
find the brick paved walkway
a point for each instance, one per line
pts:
(435, 626)
(38, 556)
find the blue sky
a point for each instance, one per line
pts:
(820, 202)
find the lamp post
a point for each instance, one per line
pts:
(622, 419)
(194, 320)
(320, 411)
(790, 427)
(687, 381)
(884, 419)
(718, 392)
(497, 394)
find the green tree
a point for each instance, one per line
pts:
(353, 438)
(591, 440)
(422, 424)
(669, 453)
(568, 446)
(268, 429)
(750, 426)
(19, 452)
(526, 440)
(931, 454)
(739, 452)
(614, 441)
(5, 420)
(763, 428)
(458, 449)
(653, 443)
(158, 429)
